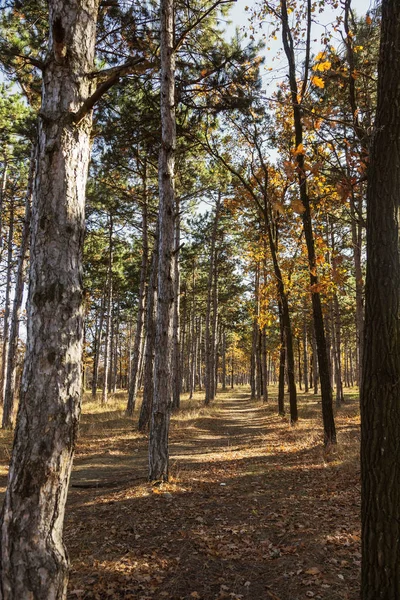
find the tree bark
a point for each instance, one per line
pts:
(380, 393)
(34, 561)
(162, 400)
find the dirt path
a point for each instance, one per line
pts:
(253, 510)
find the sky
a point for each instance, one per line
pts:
(239, 18)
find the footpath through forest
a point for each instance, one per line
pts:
(254, 508)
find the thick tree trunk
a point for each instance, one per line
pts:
(380, 394)
(34, 562)
(139, 335)
(162, 400)
(11, 377)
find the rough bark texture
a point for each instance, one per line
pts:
(380, 396)
(34, 562)
(162, 400)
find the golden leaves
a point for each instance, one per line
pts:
(323, 66)
(317, 81)
(299, 150)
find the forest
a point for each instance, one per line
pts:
(200, 299)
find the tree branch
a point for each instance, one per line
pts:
(136, 66)
(181, 39)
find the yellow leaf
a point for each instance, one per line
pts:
(317, 81)
(323, 66)
(300, 149)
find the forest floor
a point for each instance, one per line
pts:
(254, 510)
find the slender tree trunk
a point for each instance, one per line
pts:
(282, 361)
(192, 369)
(162, 400)
(98, 340)
(108, 336)
(356, 236)
(322, 353)
(7, 304)
(139, 335)
(224, 359)
(209, 343)
(3, 187)
(34, 562)
(199, 360)
(380, 393)
(177, 374)
(305, 355)
(148, 383)
(264, 364)
(11, 379)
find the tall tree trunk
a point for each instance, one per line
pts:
(108, 336)
(284, 316)
(282, 361)
(7, 304)
(380, 393)
(208, 338)
(356, 237)
(3, 187)
(148, 383)
(264, 363)
(322, 353)
(177, 373)
(199, 359)
(33, 558)
(11, 378)
(224, 359)
(305, 354)
(97, 349)
(139, 335)
(162, 400)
